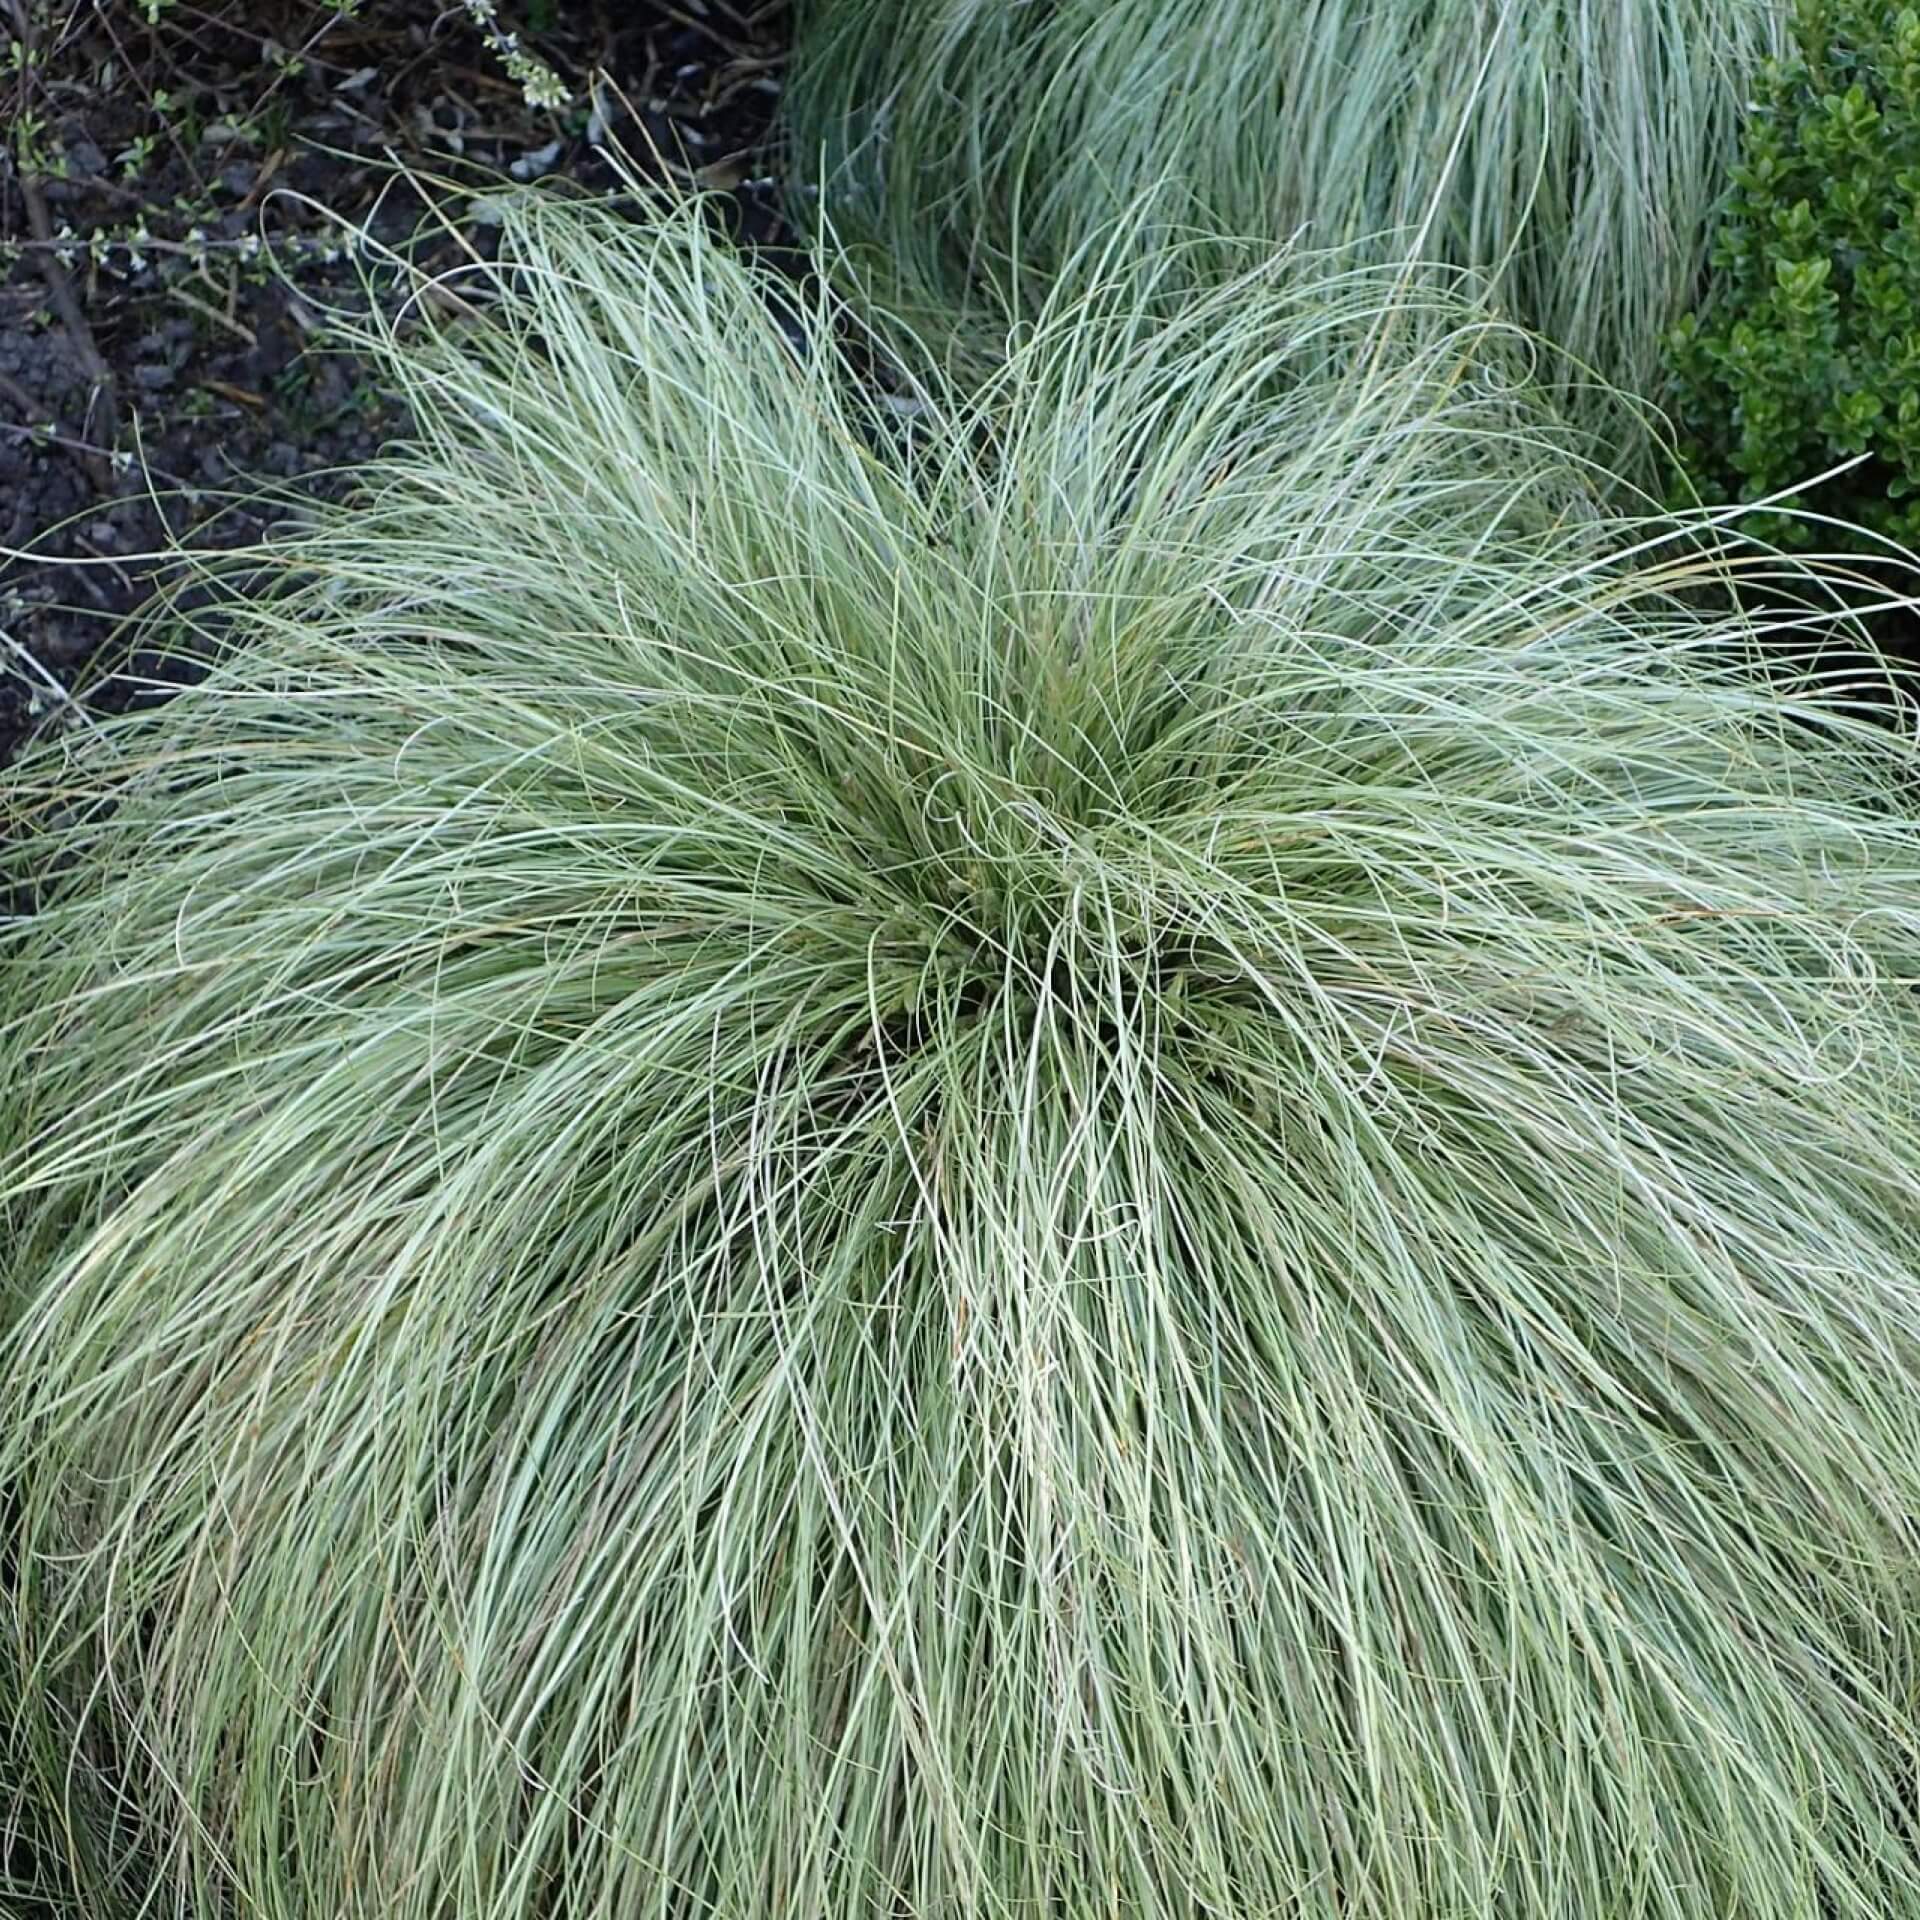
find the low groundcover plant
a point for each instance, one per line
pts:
(1139, 1146)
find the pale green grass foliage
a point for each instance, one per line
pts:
(1569, 149)
(1119, 1150)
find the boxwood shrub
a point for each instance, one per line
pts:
(1805, 350)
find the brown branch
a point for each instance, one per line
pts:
(60, 289)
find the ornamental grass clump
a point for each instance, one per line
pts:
(1573, 151)
(1141, 1145)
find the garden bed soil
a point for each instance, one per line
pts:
(169, 263)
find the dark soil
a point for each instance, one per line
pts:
(178, 210)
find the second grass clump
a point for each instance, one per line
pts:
(1139, 1146)
(1571, 150)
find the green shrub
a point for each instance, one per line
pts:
(966, 148)
(1806, 351)
(1113, 1149)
